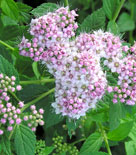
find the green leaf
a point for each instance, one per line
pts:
(71, 125)
(35, 70)
(116, 113)
(113, 27)
(9, 32)
(24, 141)
(8, 69)
(94, 153)
(7, 21)
(24, 10)
(6, 53)
(125, 23)
(48, 150)
(92, 143)
(94, 21)
(5, 145)
(44, 9)
(130, 148)
(10, 8)
(120, 132)
(110, 7)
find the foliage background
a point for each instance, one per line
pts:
(13, 25)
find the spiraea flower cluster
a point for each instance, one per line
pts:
(48, 32)
(75, 61)
(11, 114)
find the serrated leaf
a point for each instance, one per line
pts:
(24, 10)
(120, 132)
(92, 143)
(113, 27)
(10, 8)
(8, 69)
(24, 141)
(125, 23)
(44, 9)
(9, 32)
(8, 21)
(110, 7)
(5, 145)
(94, 21)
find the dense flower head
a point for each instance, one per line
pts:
(75, 62)
(47, 29)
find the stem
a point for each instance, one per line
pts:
(11, 133)
(118, 10)
(132, 17)
(78, 141)
(105, 138)
(66, 3)
(5, 44)
(37, 99)
(14, 96)
(37, 81)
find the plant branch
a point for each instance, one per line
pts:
(11, 133)
(118, 10)
(36, 81)
(105, 138)
(5, 44)
(78, 141)
(37, 99)
(66, 3)
(14, 96)
(132, 17)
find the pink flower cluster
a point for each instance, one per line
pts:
(75, 62)
(35, 118)
(47, 31)
(125, 91)
(80, 81)
(11, 114)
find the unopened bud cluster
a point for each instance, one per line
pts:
(61, 147)
(11, 114)
(34, 118)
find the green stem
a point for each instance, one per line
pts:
(5, 44)
(14, 96)
(36, 81)
(78, 141)
(132, 17)
(66, 3)
(105, 138)
(118, 10)
(37, 99)
(11, 133)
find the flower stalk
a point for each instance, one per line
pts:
(37, 81)
(105, 138)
